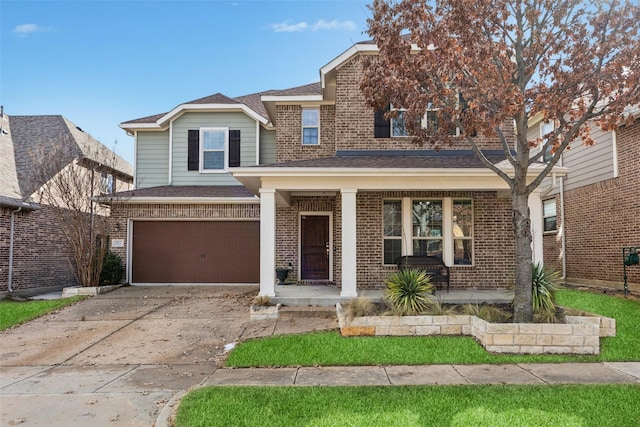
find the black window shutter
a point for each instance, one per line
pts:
(234, 148)
(381, 126)
(193, 150)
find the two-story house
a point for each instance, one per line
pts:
(35, 251)
(594, 211)
(313, 178)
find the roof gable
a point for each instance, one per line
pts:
(31, 137)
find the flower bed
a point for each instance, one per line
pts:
(578, 335)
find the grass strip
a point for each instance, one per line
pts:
(407, 406)
(16, 312)
(331, 349)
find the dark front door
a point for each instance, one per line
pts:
(314, 247)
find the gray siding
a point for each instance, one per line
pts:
(231, 120)
(267, 146)
(588, 165)
(152, 159)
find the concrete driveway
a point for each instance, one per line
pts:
(116, 359)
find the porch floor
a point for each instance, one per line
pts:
(329, 295)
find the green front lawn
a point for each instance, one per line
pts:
(457, 406)
(15, 312)
(330, 349)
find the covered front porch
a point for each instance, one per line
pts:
(352, 190)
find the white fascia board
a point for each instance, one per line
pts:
(344, 57)
(478, 172)
(161, 123)
(142, 126)
(191, 200)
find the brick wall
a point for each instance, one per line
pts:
(493, 240)
(354, 118)
(41, 252)
(602, 218)
(289, 134)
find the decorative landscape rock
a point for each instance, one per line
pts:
(264, 312)
(91, 290)
(579, 335)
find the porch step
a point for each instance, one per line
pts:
(290, 312)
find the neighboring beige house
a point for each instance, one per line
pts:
(228, 189)
(34, 253)
(593, 212)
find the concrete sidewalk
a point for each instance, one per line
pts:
(529, 373)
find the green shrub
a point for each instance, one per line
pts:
(543, 298)
(360, 307)
(112, 271)
(490, 313)
(408, 291)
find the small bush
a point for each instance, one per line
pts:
(112, 271)
(438, 309)
(490, 313)
(408, 291)
(360, 307)
(262, 301)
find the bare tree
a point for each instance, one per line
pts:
(478, 65)
(67, 178)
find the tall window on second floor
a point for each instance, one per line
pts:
(214, 142)
(310, 126)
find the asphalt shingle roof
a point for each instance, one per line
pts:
(396, 159)
(29, 138)
(168, 191)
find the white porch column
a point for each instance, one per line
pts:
(537, 230)
(267, 241)
(349, 243)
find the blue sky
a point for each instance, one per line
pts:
(100, 63)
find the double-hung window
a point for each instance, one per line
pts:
(310, 126)
(545, 129)
(427, 227)
(549, 214)
(213, 146)
(397, 126)
(392, 234)
(108, 186)
(462, 230)
(442, 228)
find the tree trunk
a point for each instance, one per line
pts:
(522, 308)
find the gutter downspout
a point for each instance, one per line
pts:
(11, 233)
(563, 234)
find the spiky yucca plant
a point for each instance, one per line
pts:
(408, 291)
(543, 296)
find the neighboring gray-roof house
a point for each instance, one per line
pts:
(329, 188)
(29, 234)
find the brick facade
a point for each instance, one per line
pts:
(41, 254)
(355, 119)
(493, 239)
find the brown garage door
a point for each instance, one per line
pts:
(196, 252)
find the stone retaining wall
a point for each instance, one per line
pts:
(579, 335)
